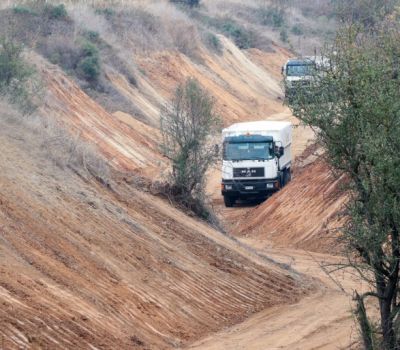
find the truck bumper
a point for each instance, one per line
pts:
(249, 188)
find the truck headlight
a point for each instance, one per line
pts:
(228, 187)
(270, 185)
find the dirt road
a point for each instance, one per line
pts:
(322, 320)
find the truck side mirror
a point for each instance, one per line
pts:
(279, 151)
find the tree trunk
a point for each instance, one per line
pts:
(365, 327)
(389, 340)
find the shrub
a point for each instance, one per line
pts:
(191, 3)
(61, 50)
(272, 16)
(213, 42)
(106, 12)
(92, 35)
(23, 10)
(283, 35)
(89, 49)
(56, 11)
(186, 126)
(89, 68)
(242, 37)
(297, 29)
(15, 74)
(69, 151)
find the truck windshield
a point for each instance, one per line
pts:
(299, 70)
(248, 151)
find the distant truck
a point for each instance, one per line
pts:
(256, 159)
(297, 74)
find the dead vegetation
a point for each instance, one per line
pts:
(66, 150)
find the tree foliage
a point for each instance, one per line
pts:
(353, 104)
(187, 124)
(15, 74)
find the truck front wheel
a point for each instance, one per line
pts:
(229, 201)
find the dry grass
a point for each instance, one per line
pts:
(314, 17)
(139, 27)
(71, 151)
(66, 150)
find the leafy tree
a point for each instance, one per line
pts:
(353, 104)
(187, 125)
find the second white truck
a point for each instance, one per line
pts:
(256, 159)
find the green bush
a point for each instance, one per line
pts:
(89, 49)
(12, 65)
(242, 37)
(297, 29)
(106, 12)
(272, 16)
(92, 35)
(187, 123)
(213, 42)
(56, 11)
(89, 68)
(191, 3)
(23, 10)
(284, 35)
(15, 75)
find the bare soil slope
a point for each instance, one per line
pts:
(84, 265)
(303, 215)
(243, 90)
(88, 265)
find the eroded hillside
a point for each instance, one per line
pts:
(94, 262)
(90, 256)
(85, 264)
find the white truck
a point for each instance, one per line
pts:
(300, 73)
(256, 159)
(297, 73)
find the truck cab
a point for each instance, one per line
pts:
(256, 159)
(297, 73)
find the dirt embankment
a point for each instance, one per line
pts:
(88, 266)
(305, 214)
(243, 90)
(85, 265)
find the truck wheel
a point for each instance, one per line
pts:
(229, 201)
(287, 176)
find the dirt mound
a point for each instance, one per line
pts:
(304, 214)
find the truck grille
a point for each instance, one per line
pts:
(248, 172)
